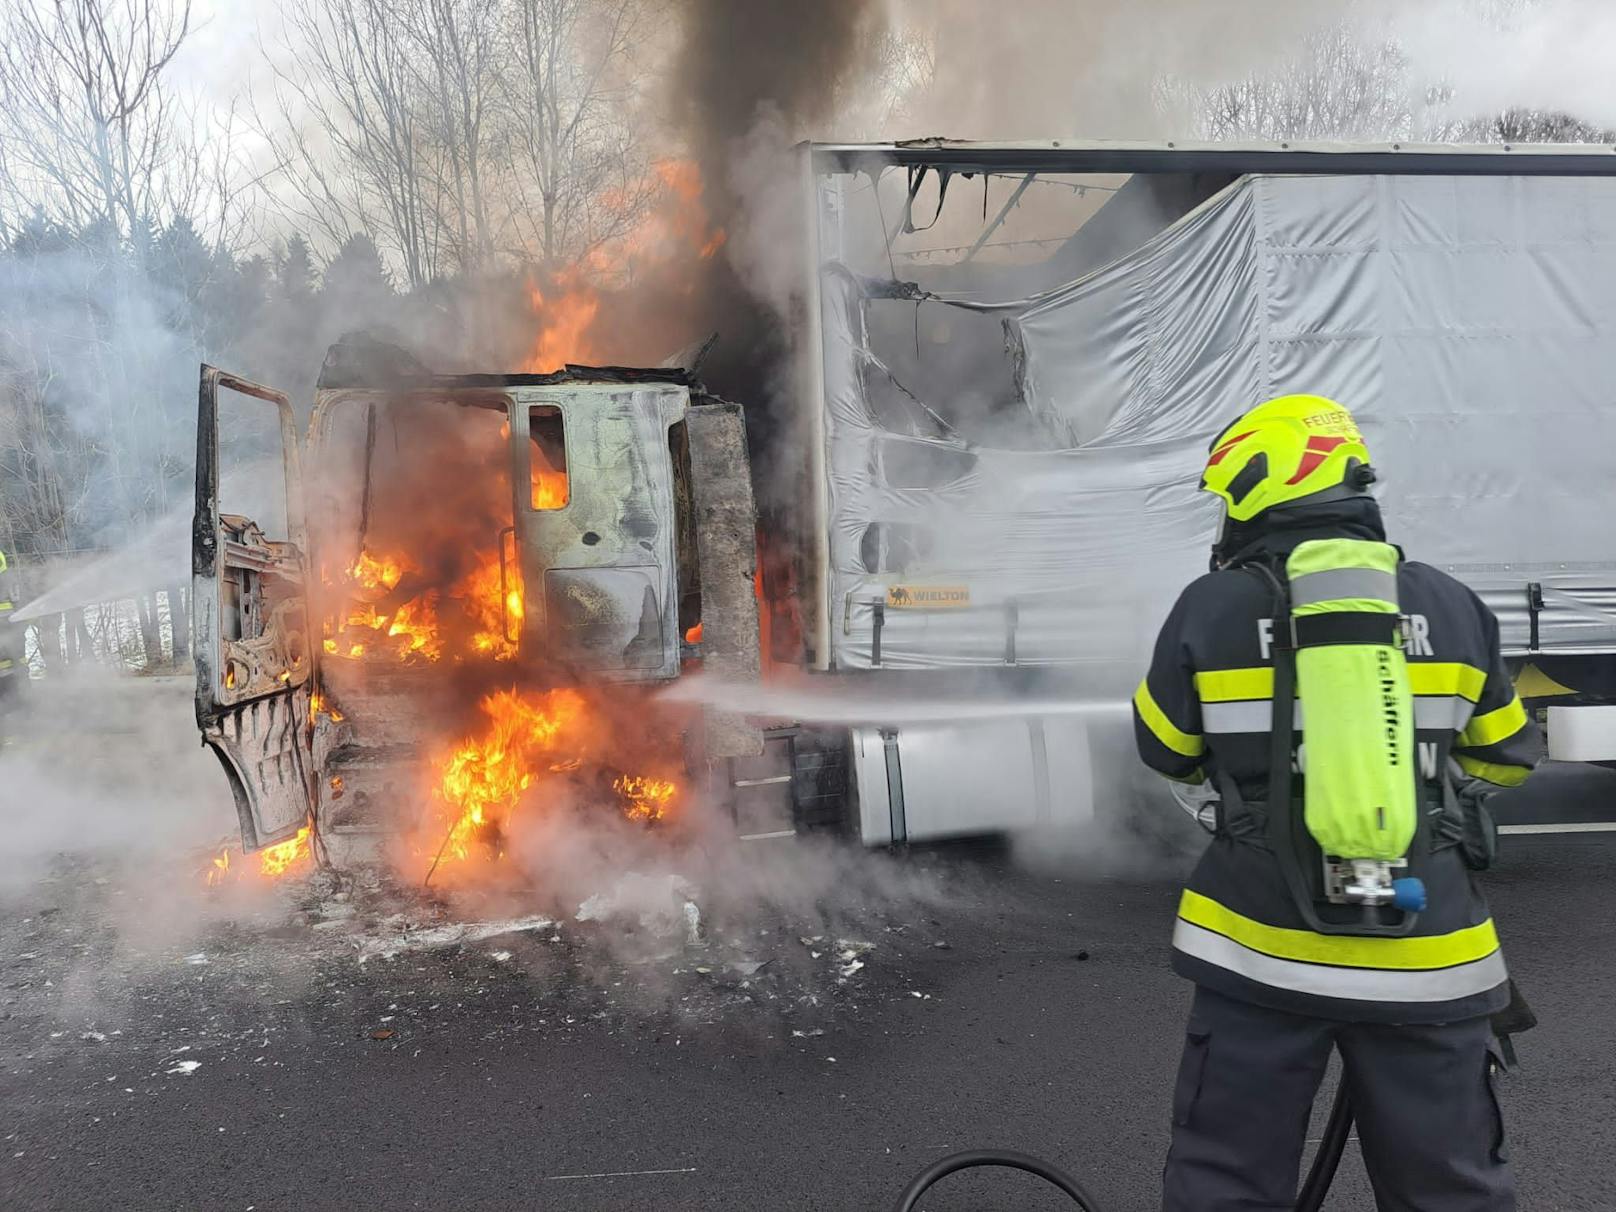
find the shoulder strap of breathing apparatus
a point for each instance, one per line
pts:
(1338, 647)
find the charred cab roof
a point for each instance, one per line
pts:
(362, 361)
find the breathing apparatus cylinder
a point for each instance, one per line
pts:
(1357, 711)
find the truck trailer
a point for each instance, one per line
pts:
(1007, 452)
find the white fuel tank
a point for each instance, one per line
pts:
(936, 780)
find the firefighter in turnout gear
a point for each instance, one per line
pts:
(1336, 905)
(11, 666)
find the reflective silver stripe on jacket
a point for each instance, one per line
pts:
(1431, 712)
(1356, 984)
(1333, 584)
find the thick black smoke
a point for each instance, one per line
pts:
(740, 60)
(743, 67)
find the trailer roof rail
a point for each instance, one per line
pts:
(1104, 156)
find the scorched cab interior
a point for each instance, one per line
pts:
(551, 527)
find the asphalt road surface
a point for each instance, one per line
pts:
(1021, 1009)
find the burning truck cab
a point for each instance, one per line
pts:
(477, 583)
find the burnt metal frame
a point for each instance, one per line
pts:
(1079, 156)
(206, 557)
(207, 565)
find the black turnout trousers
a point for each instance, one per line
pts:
(1424, 1106)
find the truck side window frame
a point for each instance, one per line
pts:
(547, 455)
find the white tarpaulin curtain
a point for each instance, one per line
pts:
(1468, 322)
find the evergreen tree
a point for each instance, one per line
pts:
(357, 270)
(294, 271)
(181, 267)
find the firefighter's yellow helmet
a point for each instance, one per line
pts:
(1283, 451)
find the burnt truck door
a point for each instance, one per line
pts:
(249, 614)
(595, 526)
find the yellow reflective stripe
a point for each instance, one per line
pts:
(1234, 685)
(1493, 772)
(1424, 677)
(1446, 677)
(1345, 951)
(1412, 986)
(1494, 726)
(1165, 730)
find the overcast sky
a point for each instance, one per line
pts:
(1549, 53)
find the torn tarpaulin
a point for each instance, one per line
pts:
(1429, 305)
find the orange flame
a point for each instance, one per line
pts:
(319, 704)
(565, 317)
(413, 631)
(275, 861)
(494, 617)
(413, 626)
(219, 868)
(549, 484)
(417, 622)
(484, 776)
(648, 798)
(370, 571)
(566, 310)
(529, 736)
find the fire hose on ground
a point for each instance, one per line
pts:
(1309, 1199)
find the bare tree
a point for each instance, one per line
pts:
(1339, 85)
(580, 169)
(103, 168)
(457, 41)
(88, 124)
(906, 60)
(1352, 80)
(459, 131)
(348, 131)
(1524, 125)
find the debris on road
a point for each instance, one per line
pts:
(662, 905)
(453, 934)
